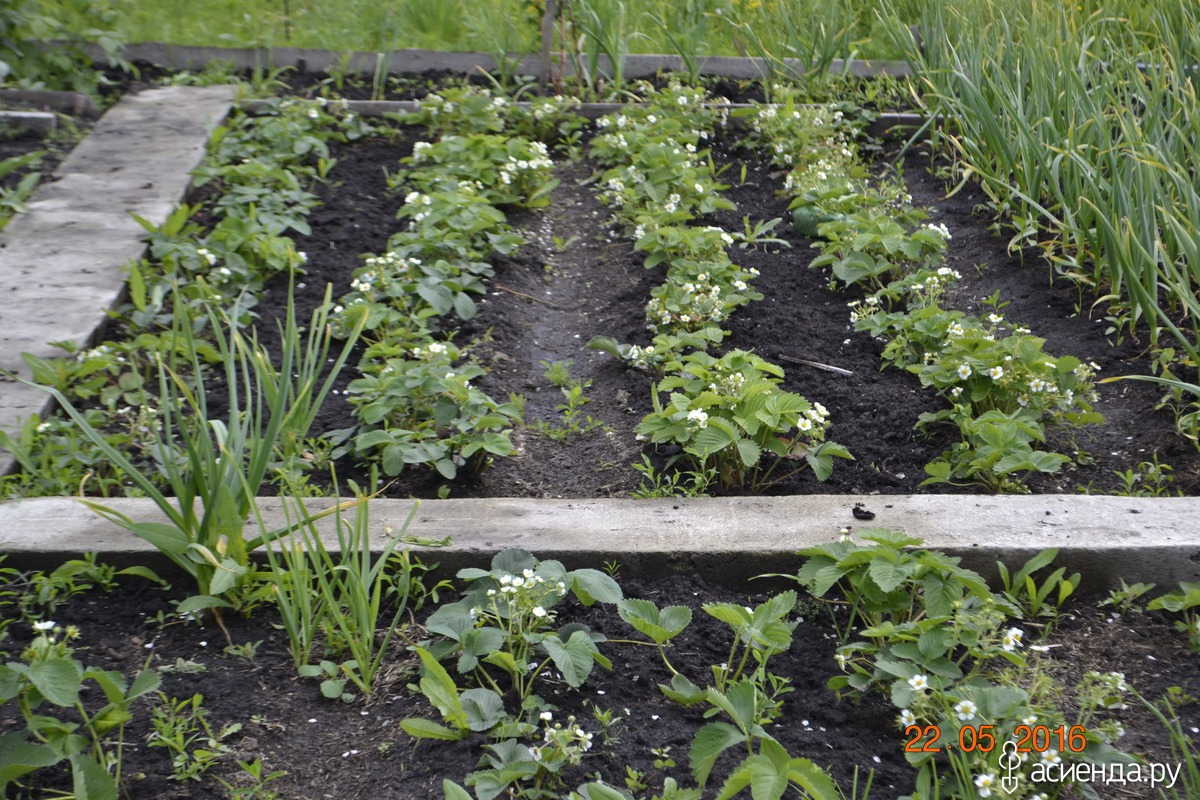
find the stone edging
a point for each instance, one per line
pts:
(61, 262)
(728, 540)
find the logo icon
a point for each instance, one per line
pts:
(1009, 761)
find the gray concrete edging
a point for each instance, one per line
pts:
(62, 261)
(727, 540)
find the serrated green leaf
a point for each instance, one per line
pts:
(888, 575)
(660, 625)
(20, 757)
(57, 679)
(590, 585)
(91, 781)
(683, 691)
(729, 613)
(483, 707)
(711, 740)
(574, 657)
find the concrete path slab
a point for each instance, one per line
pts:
(726, 539)
(61, 263)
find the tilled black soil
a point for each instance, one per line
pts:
(547, 302)
(331, 749)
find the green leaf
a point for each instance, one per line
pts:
(419, 728)
(729, 613)
(464, 306)
(777, 607)
(574, 658)
(941, 593)
(483, 707)
(453, 621)
(478, 642)
(711, 740)
(820, 458)
(768, 774)
(226, 576)
(938, 472)
(167, 538)
(92, 781)
(821, 580)
(740, 702)
(590, 585)
(148, 680)
(513, 561)
(200, 602)
(333, 688)
(749, 452)
(646, 618)
(58, 680)
(601, 791)
(441, 690)
(683, 691)
(888, 575)
(452, 791)
(716, 437)
(20, 757)
(607, 344)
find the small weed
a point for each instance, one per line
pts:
(183, 666)
(252, 771)
(662, 758)
(561, 244)
(247, 652)
(670, 483)
(182, 727)
(1124, 600)
(573, 423)
(1148, 479)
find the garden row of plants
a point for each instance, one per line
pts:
(963, 665)
(1003, 389)
(415, 403)
(724, 412)
(1080, 128)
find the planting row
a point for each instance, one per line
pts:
(964, 668)
(721, 421)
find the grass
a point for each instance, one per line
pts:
(690, 27)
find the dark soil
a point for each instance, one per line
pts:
(546, 304)
(331, 749)
(56, 148)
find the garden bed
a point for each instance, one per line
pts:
(326, 747)
(575, 279)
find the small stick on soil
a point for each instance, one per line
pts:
(529, 297)
(816, 365)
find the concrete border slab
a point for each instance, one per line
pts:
(39, 122)
(728, 540)
(70, 247)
